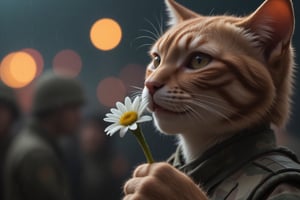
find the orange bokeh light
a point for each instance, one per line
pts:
(106, 34)
(111, 90)
(18, 69)
(38, 58)
(68, 63)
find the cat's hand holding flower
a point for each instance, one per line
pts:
(161, 181)
(126, 117)
(151, 181)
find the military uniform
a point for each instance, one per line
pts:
(247, 166)
(33, 167)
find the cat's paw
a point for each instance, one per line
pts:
(161, 181)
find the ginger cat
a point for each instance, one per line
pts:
(218, 83)
(211, 76)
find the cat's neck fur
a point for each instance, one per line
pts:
(193, 145)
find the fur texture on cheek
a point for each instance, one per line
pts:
(147, 97)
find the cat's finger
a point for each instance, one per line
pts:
(142, 170)
(131, 197)
(131, 185)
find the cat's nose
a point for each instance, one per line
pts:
(153, 86)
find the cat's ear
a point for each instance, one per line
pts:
(178, 13)
(273, 24)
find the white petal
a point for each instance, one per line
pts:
(121, 107)
(116, 111)
(144, 118)
(110, 127)
(111, 120)
(128, 103)
(110, 133)
(136, 103)
(114, 130)
(113, 116)
(123, 131)
(133, 127)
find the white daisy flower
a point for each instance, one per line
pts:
(127, 116)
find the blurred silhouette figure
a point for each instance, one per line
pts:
(34, 169)
(102, 169)
(9, 112)
(71, 156)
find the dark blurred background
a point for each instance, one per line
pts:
(56, 33)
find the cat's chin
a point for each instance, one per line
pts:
(160, 110)
(170, 122)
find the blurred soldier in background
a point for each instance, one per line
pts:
(34, 169)
(103, 170)
(9, 112)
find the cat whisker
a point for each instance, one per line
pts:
(215, 105)
(144, 45)
(211, 12)
(146, 37)
(154, 35)
(151, 38)
(160, 24)
(137, 92)
(136, 87)
(190, 114)
(190, 111)
(154, 28)
(194, 115)
(214, 101)
(150, 32)
(210, 109)
(209, 97)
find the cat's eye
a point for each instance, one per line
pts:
(199, 61)
(156, 61)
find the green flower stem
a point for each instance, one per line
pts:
(141, 139)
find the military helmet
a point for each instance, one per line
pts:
(8, 97)
(53, 92)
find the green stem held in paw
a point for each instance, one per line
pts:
(141, 139)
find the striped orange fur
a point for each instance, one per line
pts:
(214, 75)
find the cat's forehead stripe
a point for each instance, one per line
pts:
(172, 36)
(196, 42)
(185, 37)
(163, 43)
(184, 41)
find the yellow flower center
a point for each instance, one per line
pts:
(128, 118)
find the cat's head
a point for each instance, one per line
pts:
(222, 73)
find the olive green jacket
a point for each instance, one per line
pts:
(33, 169)
(246, 166)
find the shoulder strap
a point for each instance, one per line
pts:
(258, 178)
(282, 166)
